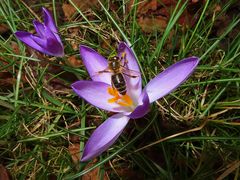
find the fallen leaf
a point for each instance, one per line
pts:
(74, 151)
(6, 80)
(7, 77)
(68, 10)
(3, 28)
(15, 48)
(146, 6)
(74, 61)
(154, 15)
(149, 24)
(128, 173)
(86, 5)
(73, 33)
(94, 174)
(4, 175)
(217, 8)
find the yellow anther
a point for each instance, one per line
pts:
(122, 103)
(113, 100)
(112, 91)
(122, 100)
(126, 98)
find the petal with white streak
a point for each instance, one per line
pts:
(104, 136)
(95, 63)
(96, 93)
(171, 78)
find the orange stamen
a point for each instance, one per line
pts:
(122, 100)
(112, 91)
(126, 98)
(112, 100)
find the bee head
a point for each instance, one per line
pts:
(114, 59)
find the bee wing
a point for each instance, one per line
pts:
(107, 70)
(130, 73)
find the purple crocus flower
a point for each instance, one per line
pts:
(47, 39)
(135, 104)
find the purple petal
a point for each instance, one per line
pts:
(104, 136)
(50, 43)
(96, 93)
(94, 63)
(55, 48)
(40, 29)
(54, 43)
(48, 20)
(40, 41)
(47, 46)
(132, 63)
(50, 23)
(134, 84)
(27, 38)
(142, 108)
(171, 78)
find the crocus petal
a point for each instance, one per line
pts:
(134, 84)
(55, 48)
(50, 23)
(96, 93)
(48, 20)
(142, 108)
(54, 43)
(104, 136)
(26, 37)
(49, 42)
(94, 63)
(40, 41)
(171, 78)
(39, 27)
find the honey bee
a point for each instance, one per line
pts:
(118, 71)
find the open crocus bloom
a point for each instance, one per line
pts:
(134, 104)
(47, 39)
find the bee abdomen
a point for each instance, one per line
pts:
(119, 83)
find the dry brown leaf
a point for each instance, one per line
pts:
(3, 173)
(128, 173)
(217, 8)
(15, 47)
(86, 5)
(94, 174)
(146, 6)
(74, 151)
(74, 61)
(6, 80)
(73, 33)
(3, 28)
(69, 9)
(154, 15)
(149, 24)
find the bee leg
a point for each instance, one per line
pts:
(100, 72)
(125, 63)
(132, 76)
(104, 71)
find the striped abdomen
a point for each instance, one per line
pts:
(119, 83)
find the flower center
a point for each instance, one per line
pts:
(122, 100)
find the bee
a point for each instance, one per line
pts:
(118, 71)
